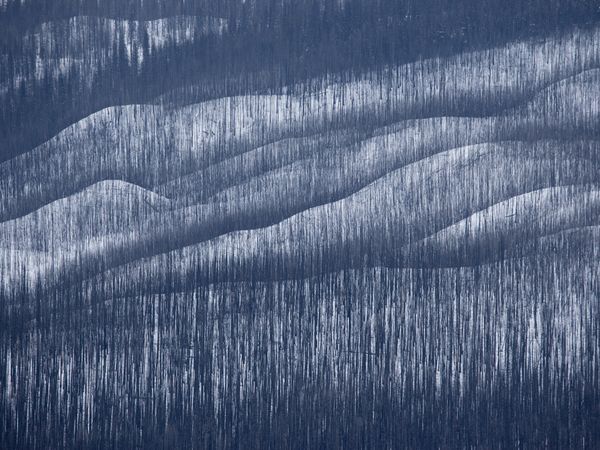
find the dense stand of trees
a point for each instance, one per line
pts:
(499, 355)
(375, 236)
(278, 41)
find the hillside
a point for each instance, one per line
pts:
(402, 253)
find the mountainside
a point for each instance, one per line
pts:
(395, 255)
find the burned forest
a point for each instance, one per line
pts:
(299, 224)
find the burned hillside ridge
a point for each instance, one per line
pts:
(299, 224)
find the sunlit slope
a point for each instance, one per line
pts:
(363, 173)
(150, 145)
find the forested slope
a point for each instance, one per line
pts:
(221, 227)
